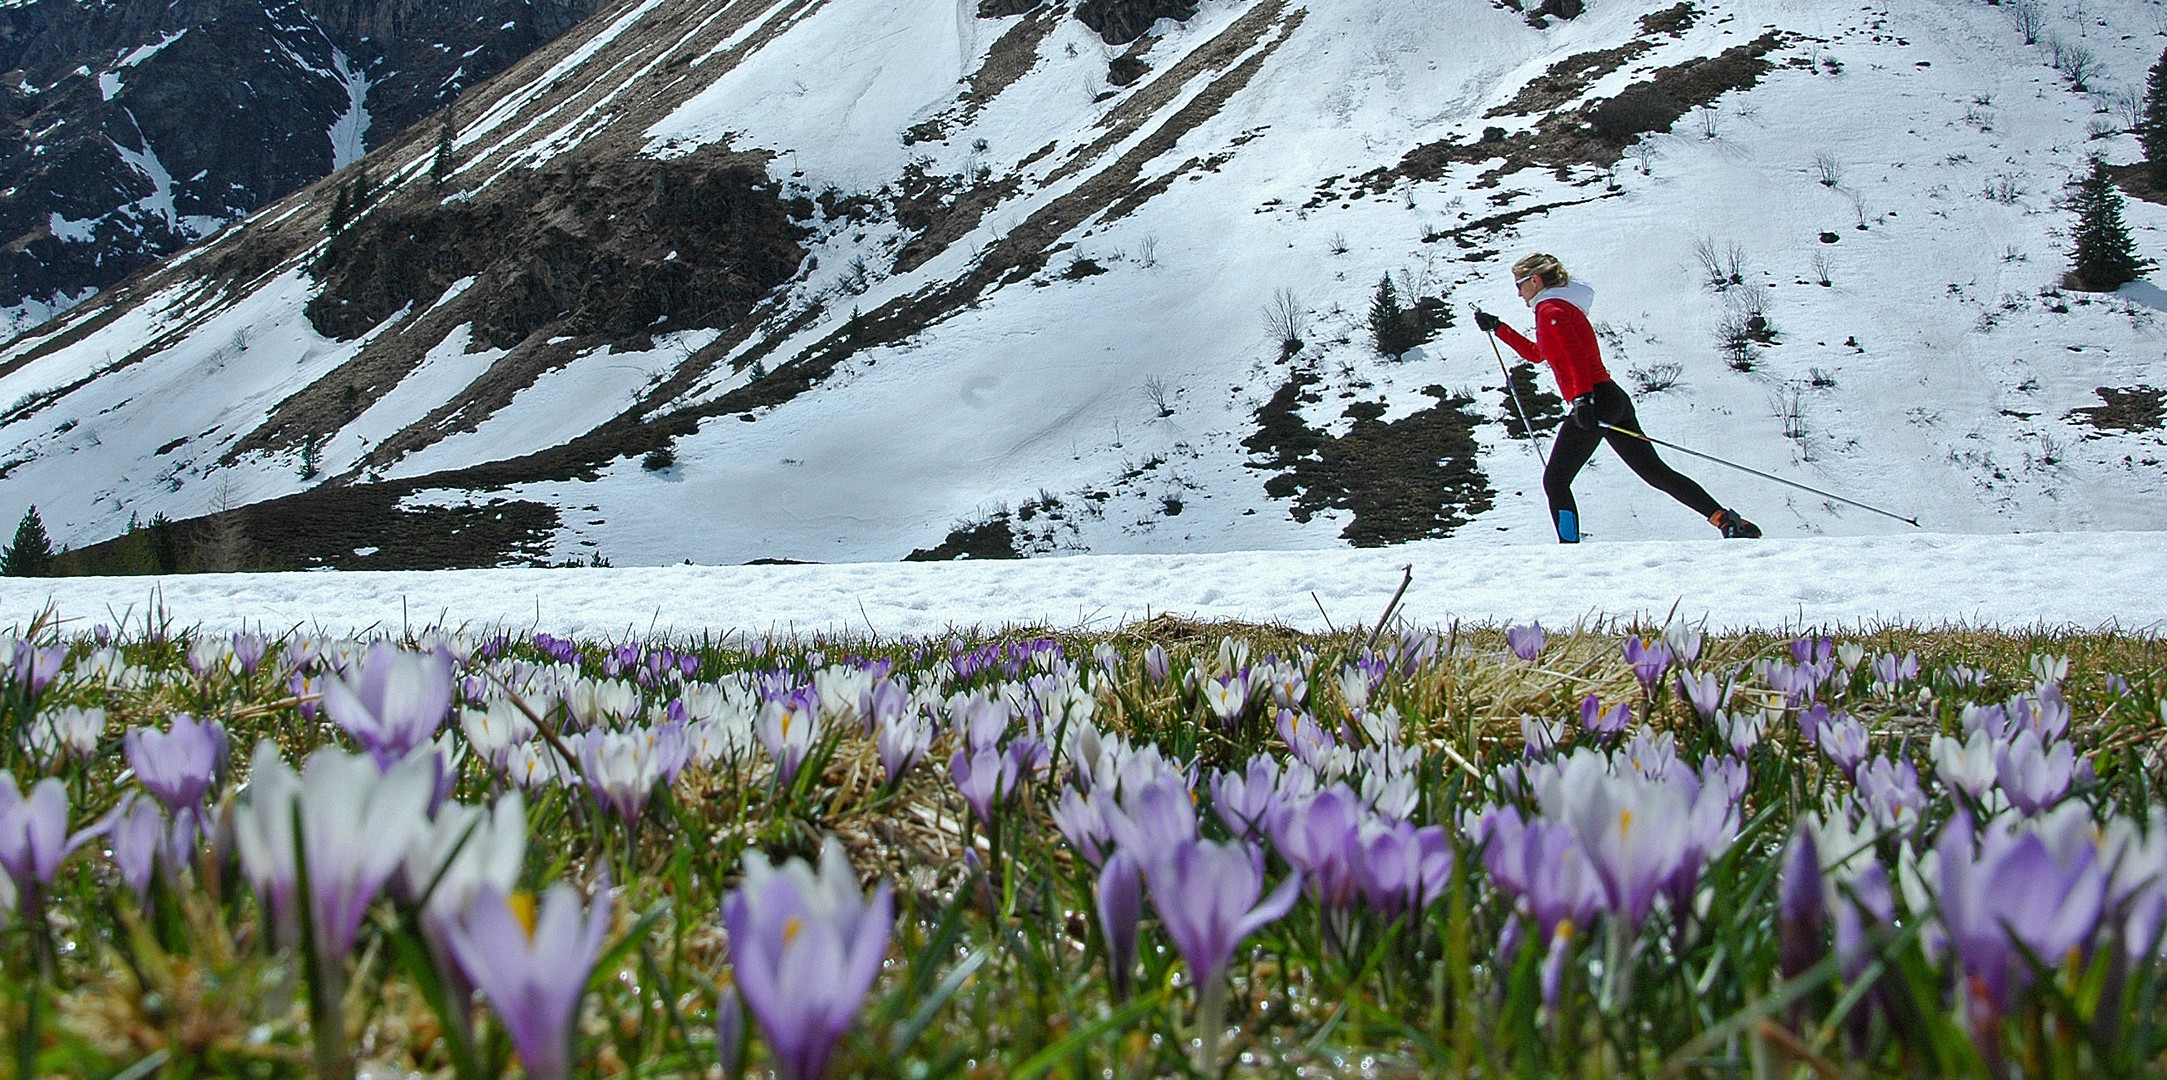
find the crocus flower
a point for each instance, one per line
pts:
(983, 778)
(396, 704)
(2033, 777)
(1893, 671)
(1649, 658)
(533, 978)
(136, 831)
(1206, 893)
(492, 732)
(903, 740)
(1633, 829)
(1799, 905)
(1967, 765)
(1843, 739)
(1743, 731)
(1321, 838)
(1594, 718)
(71, 729)
(729, 1029)
(34, 835)
(622, 768)
(1527, 641)
(1245, 799)
(463, 851)
(1152, 820)
(2013, 890)
(1079, 816)
(34, 668)
(1705, 693)
(1684, 642)
(1404, 868)
(1889, 790)
(1227, 697)
(787, 726)
(806, 947)
(1121, 906)
(248, 651)
(355, 825)
(177, 765)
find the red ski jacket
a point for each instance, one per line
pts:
(1563, 339)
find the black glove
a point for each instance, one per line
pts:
(1583, 409)
(1486, 322)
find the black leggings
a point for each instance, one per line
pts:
(1576, 444)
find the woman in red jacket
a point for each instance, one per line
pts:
(1565, 341)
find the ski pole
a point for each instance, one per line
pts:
(1911, 521)
(1525, 427)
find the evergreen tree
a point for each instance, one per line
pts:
(340, 211)
(2152, 126)
(31, 555)
(1388, 320)
(440, 166)
(2105, 258)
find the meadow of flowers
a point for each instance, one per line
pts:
(1170, 850)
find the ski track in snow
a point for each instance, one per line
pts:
(2051, 580)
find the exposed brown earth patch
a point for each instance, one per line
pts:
(2126, 411)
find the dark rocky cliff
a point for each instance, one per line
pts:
(130, 129)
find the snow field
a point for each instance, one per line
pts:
(2053, 581)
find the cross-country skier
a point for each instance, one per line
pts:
(1565, 341)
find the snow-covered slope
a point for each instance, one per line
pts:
(825, 281)
(2044, 583)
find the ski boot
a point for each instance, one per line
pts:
(1733, 526)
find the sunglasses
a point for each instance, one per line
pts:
(1517, 282)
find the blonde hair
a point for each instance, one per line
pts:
(1547, 267)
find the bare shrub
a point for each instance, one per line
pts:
(1285, 321)
(1156, 392)
(2075, 62)
(1789, 403)
(1828, 169)
(1821, 263)
(1721, 266)
(2005, 188)
(1656, 377)
(2028, 16)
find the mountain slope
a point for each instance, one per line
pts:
(791, 279)
(133, 128)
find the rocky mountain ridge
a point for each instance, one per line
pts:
(131, 129)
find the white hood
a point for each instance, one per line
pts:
(1576, 293)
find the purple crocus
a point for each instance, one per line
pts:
(1321, 838)
(903, 740)
(1157, 665)
(1596, 719)
(1244, 800)
(1206, 894)
(1843, 739)
(983, 778)
(34, 835)
(1121, 906)
(2013, 890)
(1649, 657)
(355, 825)
(1635, 831)
(1799, 911)
(1404, 868)
(1155, 817)
(35, 668)
(178, 765)
(136, 830)
(2033, 776)
(1706, 693)
(398, 702)
(532, 964)
(806, 947)
(788, 725)
(1527, 641)
(248, 651)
